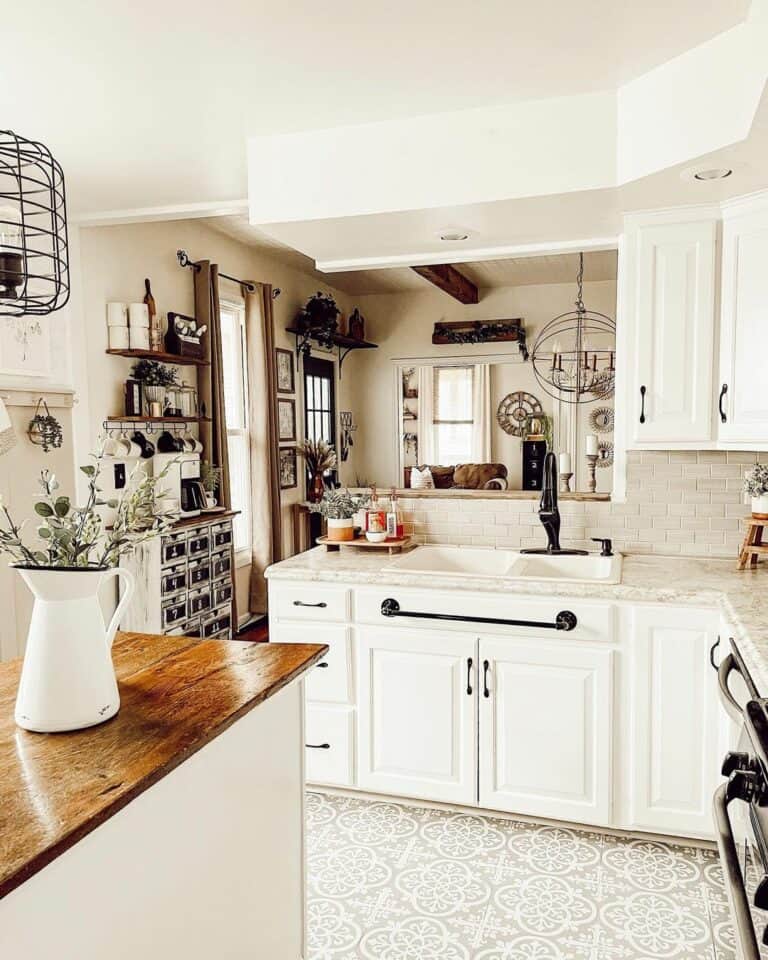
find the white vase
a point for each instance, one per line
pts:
(68, 680)
(341, 531)
(760, 506)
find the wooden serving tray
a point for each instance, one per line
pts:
(391, 546)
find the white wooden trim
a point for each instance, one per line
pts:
(26, 397)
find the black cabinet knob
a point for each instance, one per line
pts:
(735, 761)
(761, 897)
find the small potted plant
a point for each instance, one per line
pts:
(756, 485)
(210, 477)
(320, 313)
(155, 378)
(320, 457)
(339, 508)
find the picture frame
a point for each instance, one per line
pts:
(288, 468)
(284, 375)
(286, 419)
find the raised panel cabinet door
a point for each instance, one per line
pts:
(742, 394)
(417, 710)
(672, 321)
(674, 731)
(546, 729)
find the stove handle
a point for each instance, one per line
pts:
(729, 857)
(727, 666)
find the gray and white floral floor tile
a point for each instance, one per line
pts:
(394, 882)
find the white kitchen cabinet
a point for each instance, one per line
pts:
(670, 310)
(417, 713)
(743, 414)
(546, 728)
(674, 736)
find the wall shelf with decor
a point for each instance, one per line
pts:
(160, 357)
(343, 344)
(171, 420)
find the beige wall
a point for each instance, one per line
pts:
(402, 326)
(115, 261)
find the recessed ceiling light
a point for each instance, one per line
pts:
(716, 173)
(451, 236)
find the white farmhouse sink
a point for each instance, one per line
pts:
(590, 569)
(480, 561)
(487, 562)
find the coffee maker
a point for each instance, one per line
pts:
(182, 481)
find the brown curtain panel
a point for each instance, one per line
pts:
(265, 477)
(210, 379)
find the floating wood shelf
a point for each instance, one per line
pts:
(160, 357)
(344, 345)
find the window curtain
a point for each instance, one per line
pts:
(426, 421)
(262, 415)
(481, 413)
(210, 379)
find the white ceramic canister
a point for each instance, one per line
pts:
(341, 530)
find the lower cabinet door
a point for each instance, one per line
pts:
(674, 753)
(417, 713)
(546, 722)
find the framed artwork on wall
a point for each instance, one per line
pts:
(25, 347)
(286, 419)
(288, 470)
(284, 371)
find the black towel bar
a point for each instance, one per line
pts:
(565, 620)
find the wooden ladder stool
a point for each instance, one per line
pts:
(753, 544)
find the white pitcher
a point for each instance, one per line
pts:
(68, 680)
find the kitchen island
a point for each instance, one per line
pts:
(174, 829)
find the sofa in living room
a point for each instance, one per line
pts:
(462, 476)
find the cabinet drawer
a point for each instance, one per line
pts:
(330, 745)
(173, 579)
(199, 572)
(222, 535)
(198, 543)
(312, 601)
(594, 621)
(220, 621)
(174, 612)
(174, 548)
(221, 592)
(199, 601)
(221, 563)
(329, 681)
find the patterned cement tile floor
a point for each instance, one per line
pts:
(395, 882)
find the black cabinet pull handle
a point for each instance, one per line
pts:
(322, 666)
(714, 647)
(642, 404)
(469, 676)
(300, 603)
(317, 746)
(486, 691)
(723, 391)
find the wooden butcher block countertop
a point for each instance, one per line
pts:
(177, 695)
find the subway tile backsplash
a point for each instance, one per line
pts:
(687, 502)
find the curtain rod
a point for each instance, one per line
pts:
(184, 261)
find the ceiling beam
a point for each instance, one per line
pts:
(450, 281)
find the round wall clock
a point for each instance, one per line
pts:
(515, 410)
(602, 419)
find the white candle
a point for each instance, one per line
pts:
(565, 463)
(591, 444)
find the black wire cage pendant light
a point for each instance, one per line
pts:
(34, 256)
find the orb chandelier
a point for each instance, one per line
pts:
(34, 258)
(574, 356)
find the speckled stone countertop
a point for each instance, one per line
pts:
(741, 596)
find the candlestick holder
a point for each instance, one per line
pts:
(565, 482)
(591, 478)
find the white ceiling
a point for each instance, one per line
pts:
(510, 272)
(150, 104)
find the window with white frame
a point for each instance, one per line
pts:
(236, 409)
(452, 414)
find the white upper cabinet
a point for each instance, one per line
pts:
(670, 312)
(743, 414)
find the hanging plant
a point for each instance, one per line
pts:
(44, 429)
